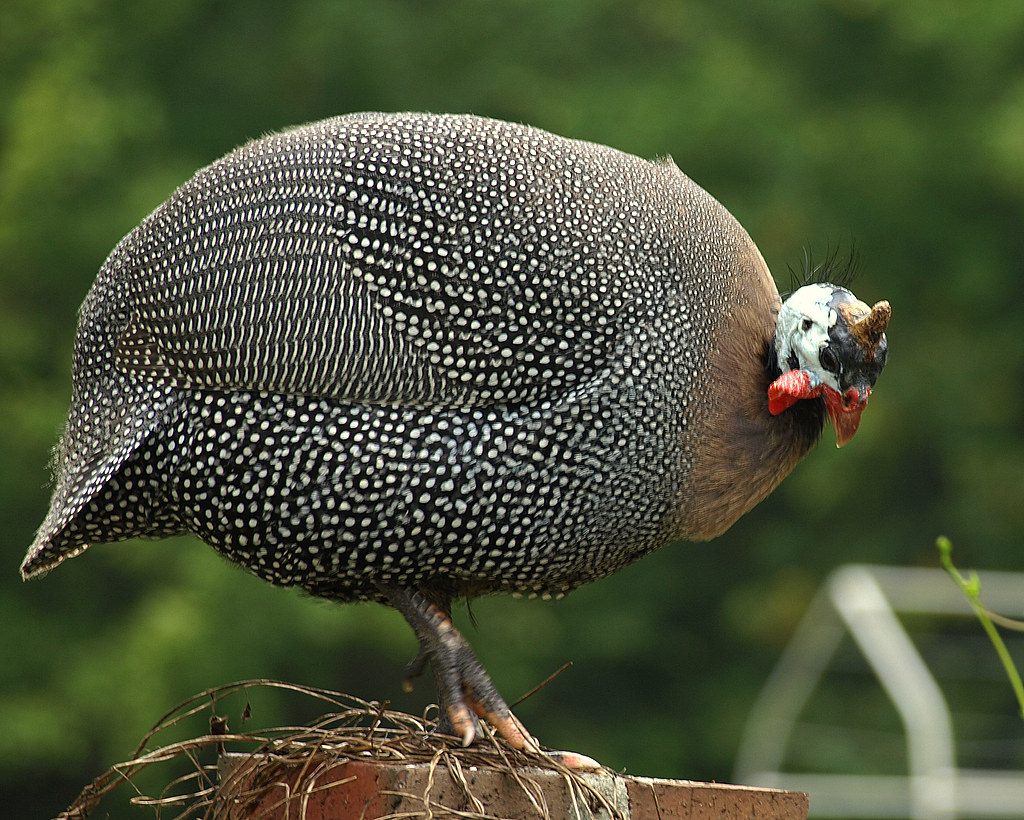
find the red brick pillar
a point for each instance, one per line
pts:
(321, 789)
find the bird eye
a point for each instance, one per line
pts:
(829, 360)
(806, 325)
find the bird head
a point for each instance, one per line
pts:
(829, 344)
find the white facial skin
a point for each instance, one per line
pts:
(802, 329)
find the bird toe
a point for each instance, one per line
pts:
(574, 761)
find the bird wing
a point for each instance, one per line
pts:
(416, 260)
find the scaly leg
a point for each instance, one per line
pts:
(464, 689)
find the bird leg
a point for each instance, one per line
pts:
(464, 689)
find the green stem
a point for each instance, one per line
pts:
(971, 587)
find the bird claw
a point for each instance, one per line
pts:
(461, 723)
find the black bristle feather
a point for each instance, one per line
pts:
(838, 268)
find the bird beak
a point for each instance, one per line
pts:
(844, 409)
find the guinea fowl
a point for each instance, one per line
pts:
(414, 358)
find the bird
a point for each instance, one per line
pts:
(419, 358)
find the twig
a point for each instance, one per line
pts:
(971, 587)
(541, 685)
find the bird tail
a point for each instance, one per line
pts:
(57, 539)
(43, 556)
(79, 479)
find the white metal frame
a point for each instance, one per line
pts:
(863, 600)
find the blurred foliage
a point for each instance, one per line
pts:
(897, 125)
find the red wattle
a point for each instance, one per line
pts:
(788, 389)
(844, 409)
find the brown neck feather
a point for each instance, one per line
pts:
(742, 452)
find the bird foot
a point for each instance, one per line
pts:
(506, 724)
(465, 690)
(515, 734)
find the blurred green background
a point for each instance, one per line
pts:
(895, 125)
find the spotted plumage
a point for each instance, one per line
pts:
(444, 354)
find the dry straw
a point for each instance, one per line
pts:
(292, 758)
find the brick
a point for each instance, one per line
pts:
(319, 788)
